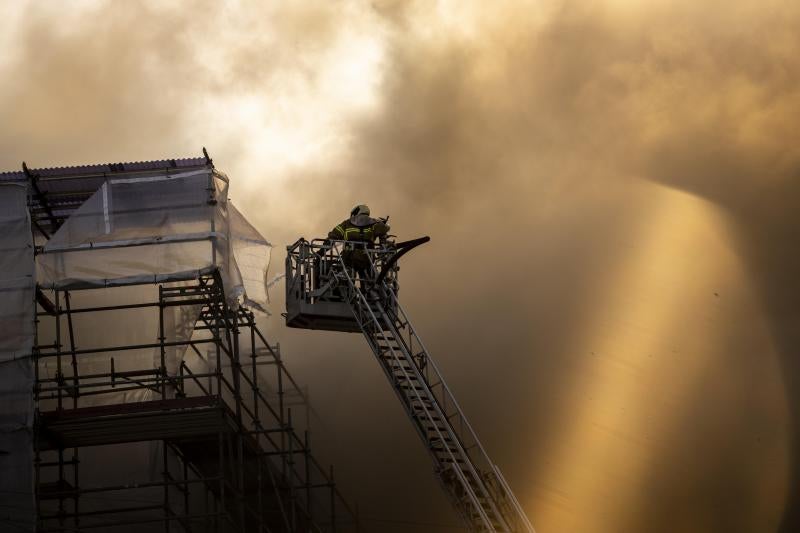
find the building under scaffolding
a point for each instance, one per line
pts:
(136, 389)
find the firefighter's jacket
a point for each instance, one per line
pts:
(359, 228)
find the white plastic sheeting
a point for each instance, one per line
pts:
(154, 228)
(158, 227)
(252, 263)
(17, 314)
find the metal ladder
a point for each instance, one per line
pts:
(473, 482)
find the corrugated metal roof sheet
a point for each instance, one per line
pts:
(104, 168)
(58, 191)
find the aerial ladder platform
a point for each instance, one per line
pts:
(325, 291)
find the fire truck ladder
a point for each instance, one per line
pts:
(473, 482)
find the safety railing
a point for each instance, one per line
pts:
(311, 265)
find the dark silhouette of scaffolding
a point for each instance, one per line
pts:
(232, 458)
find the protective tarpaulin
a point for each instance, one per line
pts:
(154, 228)
(17, 315)
(247, 248)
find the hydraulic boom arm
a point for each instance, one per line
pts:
(323, 273)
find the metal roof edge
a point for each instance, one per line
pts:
(107, 168)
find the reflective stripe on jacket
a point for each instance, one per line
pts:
(348, 231)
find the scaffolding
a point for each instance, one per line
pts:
(143, 393)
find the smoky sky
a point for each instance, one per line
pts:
(612, 192)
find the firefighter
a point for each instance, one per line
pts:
(359, 228)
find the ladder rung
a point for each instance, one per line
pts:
(445, 454)
(409, 371)
(390, 357)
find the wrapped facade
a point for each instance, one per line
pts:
(127, 328)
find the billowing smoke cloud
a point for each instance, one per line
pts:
(611, 189)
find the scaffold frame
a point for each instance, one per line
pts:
(209, 407)
(232, 453)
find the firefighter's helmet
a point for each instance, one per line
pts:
(360, 210)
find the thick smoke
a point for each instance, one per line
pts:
(612, 192)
